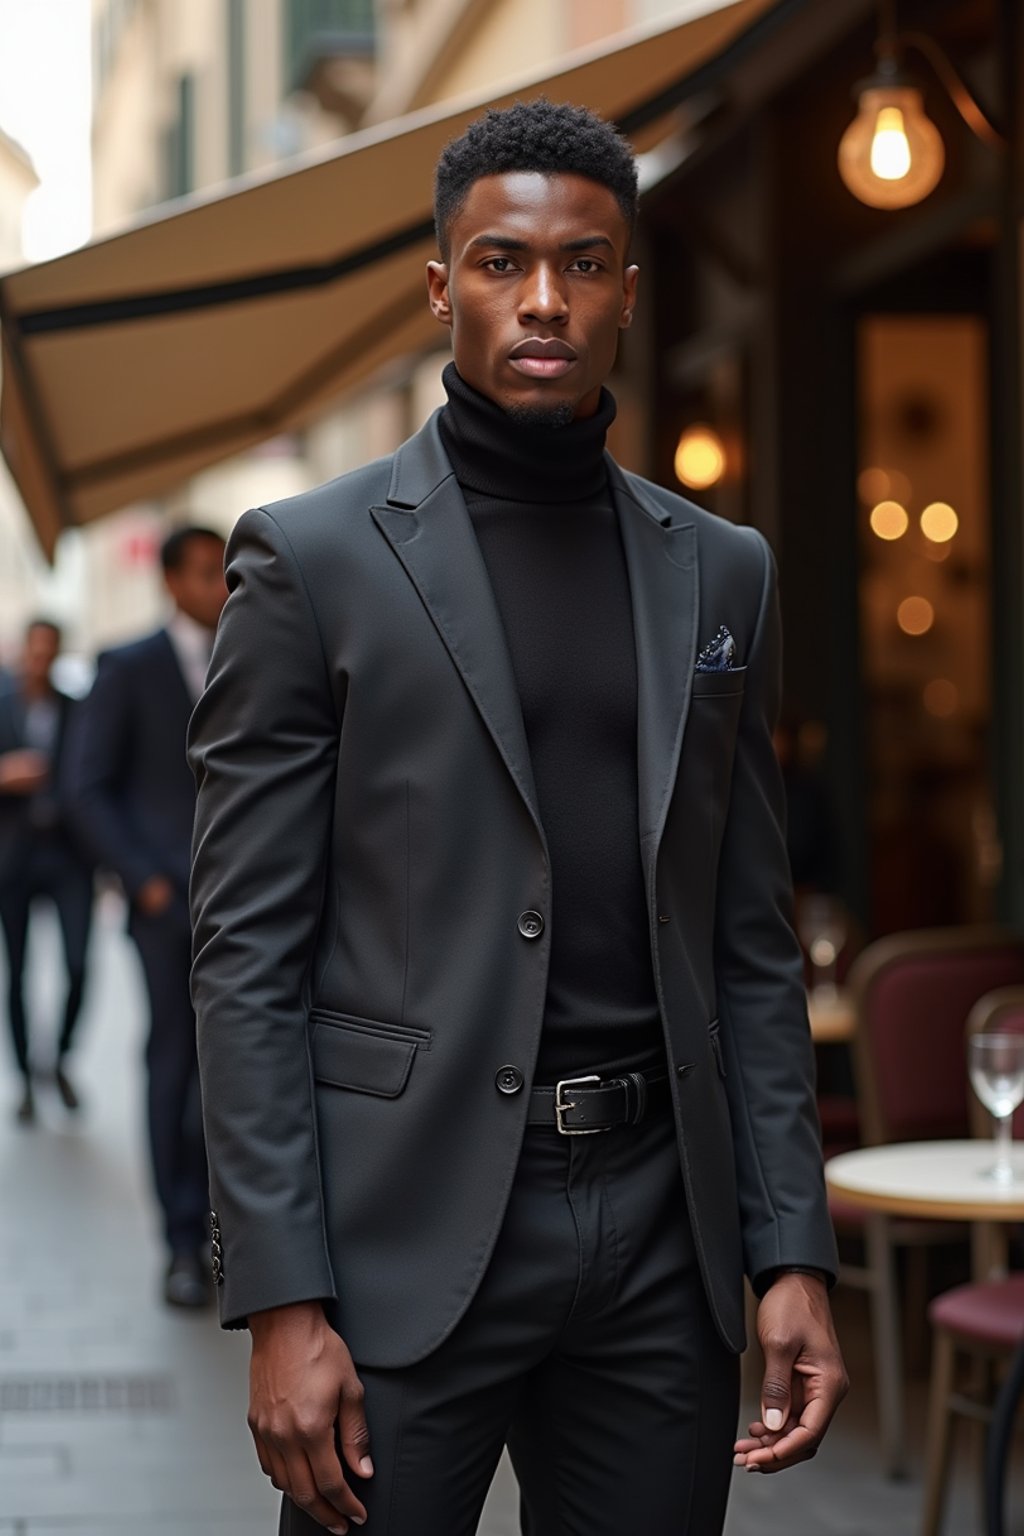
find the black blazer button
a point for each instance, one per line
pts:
(684, 1068)
(508, 1080)
(531, 924)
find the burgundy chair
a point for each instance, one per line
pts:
(912, 993)
(971, 1323)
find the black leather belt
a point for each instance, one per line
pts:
(582, 1106)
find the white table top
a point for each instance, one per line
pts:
(937, 1179)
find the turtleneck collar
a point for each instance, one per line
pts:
(492, 454)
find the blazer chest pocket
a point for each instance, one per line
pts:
(364, 1055)
(718, 685)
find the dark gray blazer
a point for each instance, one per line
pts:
(367, 836)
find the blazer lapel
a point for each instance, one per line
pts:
(427, 525)
(661, 557)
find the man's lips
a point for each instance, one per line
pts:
(542, 357)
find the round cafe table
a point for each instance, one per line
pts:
(942, 1180)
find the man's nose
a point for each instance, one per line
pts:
(543, 297)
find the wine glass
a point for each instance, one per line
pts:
(821, 924)
(996, 1066)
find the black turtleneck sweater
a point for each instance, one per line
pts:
(543, 513)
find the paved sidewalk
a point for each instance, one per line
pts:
(118, 1416)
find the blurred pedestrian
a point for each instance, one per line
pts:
(39, 854)
(134, 800)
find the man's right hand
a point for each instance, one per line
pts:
(305, 1398)
(154, 896)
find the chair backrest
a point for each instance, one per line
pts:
(997, 1011)
(913, 993)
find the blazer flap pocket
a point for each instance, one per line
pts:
(718, 683)
(366, 1063)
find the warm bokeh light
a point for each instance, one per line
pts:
(939, 522)
(937, 552)
(890, 147)
(889, 520)
(892, 154)
(873, 485)
(700, 457)
(941, 698)
(915, 615)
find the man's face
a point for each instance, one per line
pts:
(536, 290)
(197, 586)
(42, 645)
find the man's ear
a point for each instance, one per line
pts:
(437, 288)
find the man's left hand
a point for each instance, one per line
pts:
(804, 1376)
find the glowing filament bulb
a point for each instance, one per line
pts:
(890, 148)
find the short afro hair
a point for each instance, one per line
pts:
(551, 137)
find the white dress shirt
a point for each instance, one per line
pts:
(192, 644)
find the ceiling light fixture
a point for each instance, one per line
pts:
(892, 155)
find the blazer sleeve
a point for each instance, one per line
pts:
(97, 751)
(762, 1000)
(263, 745)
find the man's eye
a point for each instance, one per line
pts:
(498, 263)
(586, 264)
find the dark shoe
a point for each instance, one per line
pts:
(26, 1111)
(69, 1098)
(185, 1284)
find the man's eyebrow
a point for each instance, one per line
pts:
(507, 243)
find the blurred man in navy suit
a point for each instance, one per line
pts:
(134, 800)
(39, 855)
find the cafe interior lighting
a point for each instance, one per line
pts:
(892, 155)
(889, 520)
(939, 522)
(915, 615)
(700, 457)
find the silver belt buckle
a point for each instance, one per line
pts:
(562, 1106)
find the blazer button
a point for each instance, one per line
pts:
(531, 924)
(508, 1080)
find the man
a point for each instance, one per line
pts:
(39, 855)
(134, 801)
(505, 1057)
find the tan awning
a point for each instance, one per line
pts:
(131, 363)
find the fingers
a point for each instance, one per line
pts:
(352, 1431)
(313, 1481)
(776, 1386)
(312, 1477)
(765, 1450)
(773, 1452)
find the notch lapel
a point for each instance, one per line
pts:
(661, 558)
(428, 527)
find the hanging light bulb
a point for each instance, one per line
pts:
(892, 154)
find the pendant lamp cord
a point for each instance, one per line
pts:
(890, 44)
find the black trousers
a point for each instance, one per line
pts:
(54, 871)
(589, 1349)
(174, 1112)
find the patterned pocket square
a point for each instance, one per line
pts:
(719, 655)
